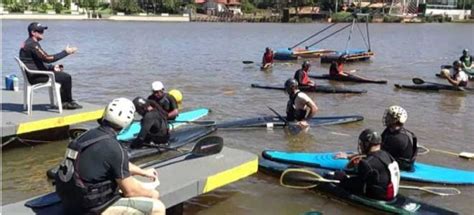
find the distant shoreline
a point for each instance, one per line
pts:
(172, 18)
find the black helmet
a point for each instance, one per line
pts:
(367, 139)
(465, 51)
(305, 64)
(140, 104)
(456, 63)
(290, 83)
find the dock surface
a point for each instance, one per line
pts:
(15, 119)
(184, 178)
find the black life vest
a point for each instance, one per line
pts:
(78, 196)
(390, 191)
(407, 164)
(291, 113)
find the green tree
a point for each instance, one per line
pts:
(247, 6)
(126, 6)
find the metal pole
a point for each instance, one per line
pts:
(367, 27)
(350, 34)
(335, 9)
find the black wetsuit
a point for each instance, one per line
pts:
(401, 144)
(98, 165)
(167, 102)
(35, 58)
(373, 176)
(154, 128)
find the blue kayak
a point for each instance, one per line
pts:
(132, 131)
(423, 172)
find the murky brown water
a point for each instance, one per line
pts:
(204, 60)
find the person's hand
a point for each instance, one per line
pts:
(58, 68)
(70, 49)
(150, 173)
(355, 161)
(155, 194)
(341, 155)
(303, 124)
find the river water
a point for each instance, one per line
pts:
(204, 61)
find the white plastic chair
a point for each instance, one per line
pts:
(28, 88)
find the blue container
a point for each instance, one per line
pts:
(9, 82)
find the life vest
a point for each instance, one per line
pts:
(407, 164)
(391, 190)
(76, 194)
(305, 79)
(336, 69)
(291, 113)
(268, 57)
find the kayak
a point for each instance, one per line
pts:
(316, 89)
(423, 172)
(273, 121)
(132, 131)
(350, 56)
(400, 205)
(433, 87)
(350, 78)
(177, 139)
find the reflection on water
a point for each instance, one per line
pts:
(204, 61)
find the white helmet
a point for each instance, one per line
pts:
(395, 114)
(157, 86)
(120, 112)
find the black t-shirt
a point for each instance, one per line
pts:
(398, 143)
(104, 160)
(167, 102)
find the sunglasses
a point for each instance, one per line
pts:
(41, 32)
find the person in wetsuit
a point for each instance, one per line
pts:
(96, 167)
(154, 125)
(35, 58)
(267, 59)
(302, 77)
(300, 107)
(397, 140)
(459, 78)
(377, 172)
(166, 101)
(466, 59)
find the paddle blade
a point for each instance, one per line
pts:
(76, 132)
(301, 179)
(418, 81)
(208, 146)
(247, 62)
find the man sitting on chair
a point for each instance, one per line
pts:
(35, 58)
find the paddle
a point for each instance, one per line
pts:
(204, 147)
(197, 122)
(294, 129)
(299, 178)
(421, 81)
(207, 146)
(278, 115)
(466, 155)
(247, 62)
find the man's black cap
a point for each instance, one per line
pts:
(35, 26)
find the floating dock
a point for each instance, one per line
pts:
(16, 121)
(182, 180)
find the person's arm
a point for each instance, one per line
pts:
(131, 187)
(45, 57)
(452, 81)
(174, 107)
